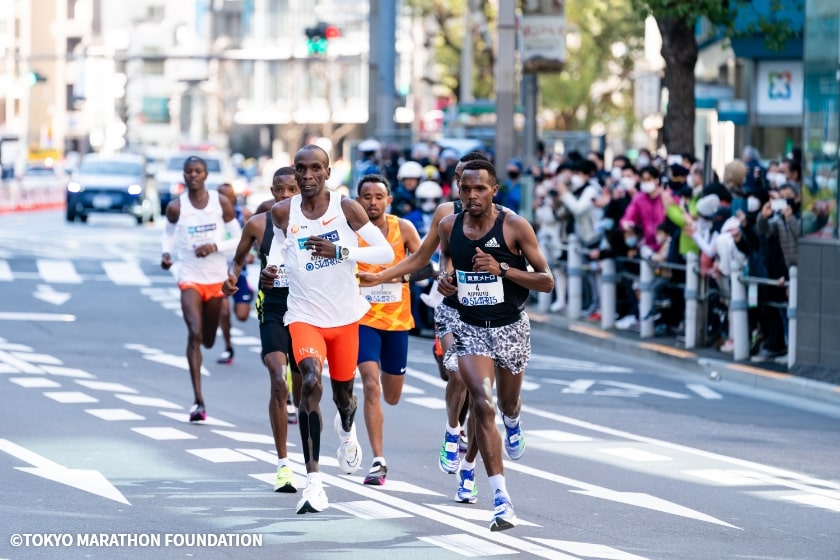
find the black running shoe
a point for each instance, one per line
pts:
(226, 357)
(197, 413)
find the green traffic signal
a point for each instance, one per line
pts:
(316, 45)
(33, 78)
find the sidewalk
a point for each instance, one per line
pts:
(706, 361)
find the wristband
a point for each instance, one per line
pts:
(406, 277)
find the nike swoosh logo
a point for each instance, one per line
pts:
(327, 222)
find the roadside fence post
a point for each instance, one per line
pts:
(740, 327)
(608, 294)
(646, 329)
(793, 291)
(574, 273)
(692, 285)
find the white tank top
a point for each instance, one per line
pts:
(323, 292)
(197, 226)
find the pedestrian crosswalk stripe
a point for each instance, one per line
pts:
(726, 477)
(368, 509)
(588, 550)
(164, 433)
(246, 437)
(58, 271)
(125, 273)
(467, 545)
(148, 401)
(70, 397)
(106, 386)
(185, 418)
(632, 454)
(114, 414)
(33, 382)
(220, 455)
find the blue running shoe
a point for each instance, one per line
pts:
(467, 492)
(449, 458)
(514, 442)
(504, 517)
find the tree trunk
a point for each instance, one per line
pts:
(679, 49)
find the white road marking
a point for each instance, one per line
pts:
(21, 366)
(58, 271)
(645, 390)
(368, 509)
(816, 501)
(125, 273)
(46, 293)
(428, 402)
(557, 435)
(106, 386)
(554, 363)
(466, 545)
(46, 317)
(6, 272)
(704, 391)
(114, 414)
(246, 437)
(588, 550)
(82, 479)
(70, 397)
(12, 347)
(35, 382)
(474, 513)
(434, 380)
(148, 401)
(67, 372)
(6, 368)
(220, 455)
(269, 478)
(632, 454)
(163, 433)
(725, 477)
(579, 386)
(35, 358)
(185, 418)
(412, 390)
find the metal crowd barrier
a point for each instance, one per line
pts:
(739, 307)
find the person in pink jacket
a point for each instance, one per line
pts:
(646, 209)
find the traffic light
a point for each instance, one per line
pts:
(317, 37)
(33, 78)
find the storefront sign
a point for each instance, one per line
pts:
(780, 88)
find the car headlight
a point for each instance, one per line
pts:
(74, 187)
(135, 189)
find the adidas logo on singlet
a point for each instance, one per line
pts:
(492, 243)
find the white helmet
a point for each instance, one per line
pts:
(428, 189)
(410, 170)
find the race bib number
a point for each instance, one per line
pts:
(201, 235)
(308, 262)
(282, 280)
(383, 293)
(479, 288)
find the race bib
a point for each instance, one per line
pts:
(201, 235)
(282, 280)
(307, 261)
(479, 288)
(390, 292)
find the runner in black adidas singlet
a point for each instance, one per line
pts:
(274, 335)
(487, 251)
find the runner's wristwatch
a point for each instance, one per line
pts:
(503, 268)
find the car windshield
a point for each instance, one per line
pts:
(39, 171)
(100, 167)
(177, 164)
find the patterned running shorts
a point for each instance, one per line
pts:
(509, 346)
(446, 319)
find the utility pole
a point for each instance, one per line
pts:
(505, 83)
(381, 69)
(467, 55)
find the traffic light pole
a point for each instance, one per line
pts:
(505, 83)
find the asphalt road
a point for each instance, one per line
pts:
(626, 459)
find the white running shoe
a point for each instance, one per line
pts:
(349, 452)
(314, 499)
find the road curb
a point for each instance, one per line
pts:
(655, 349)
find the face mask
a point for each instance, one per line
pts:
(577, 181)
(513, 175)
(643, 161)
(753, 204)
(631, 241)
(615, 173)
(689, 180)
(628, 182)
(648, 187)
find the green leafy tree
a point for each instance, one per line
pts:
(676, 20)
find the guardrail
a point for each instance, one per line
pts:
(20, 197)
(694, 293)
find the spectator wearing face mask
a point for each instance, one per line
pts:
(428, 195)
(646, 209)
(510, 191)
